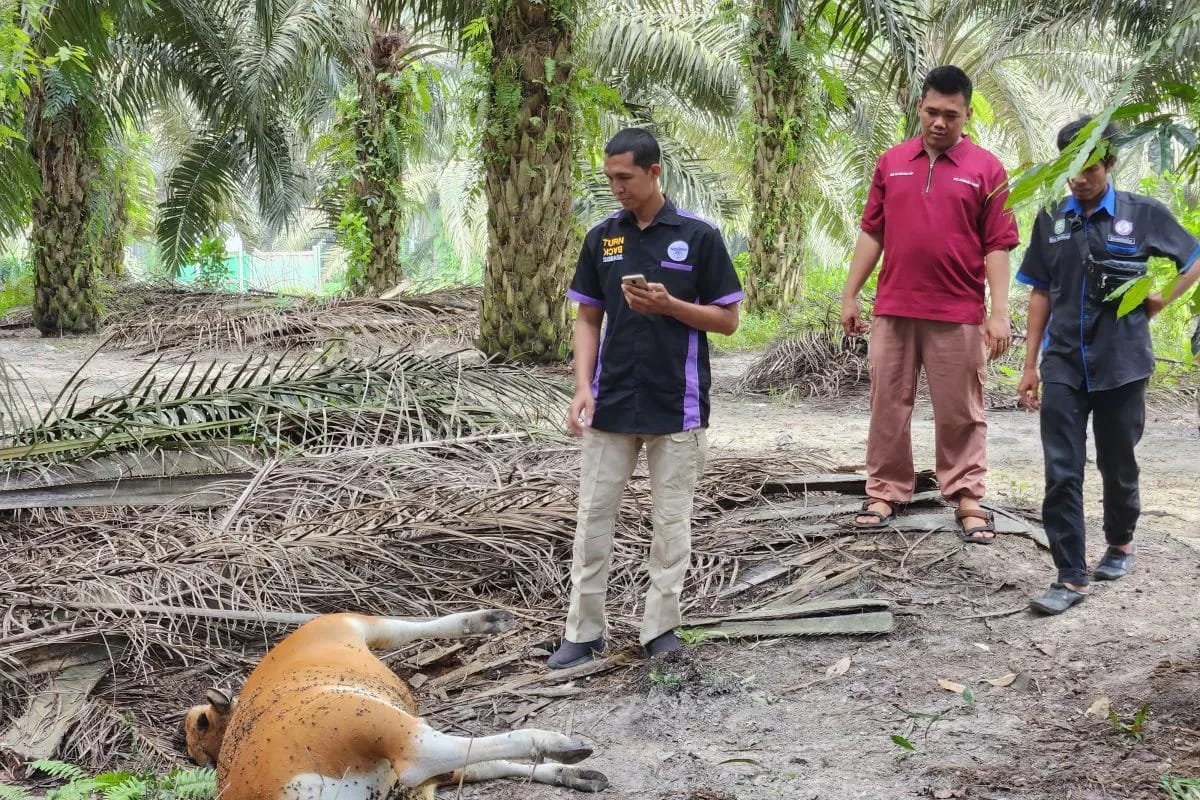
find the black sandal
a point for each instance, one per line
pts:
(969, 534)
(881, 520)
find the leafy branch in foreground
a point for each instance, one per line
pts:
(178, 784)
(308, 405)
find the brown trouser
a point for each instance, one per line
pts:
(954, 361)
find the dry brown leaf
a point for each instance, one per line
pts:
(951, 686)
(1099, 708)
(839, 668)
(1003, 680)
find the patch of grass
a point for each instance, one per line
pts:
(665, 680)
(754, 332)
(1134, 730)
(1178, 788)
(692, 637)
(178, 784)
(16, 285)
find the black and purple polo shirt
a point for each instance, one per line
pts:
(652, 375)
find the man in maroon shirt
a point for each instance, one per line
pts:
(936, 213)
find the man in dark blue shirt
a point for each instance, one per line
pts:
(642, 380)
(1092, 361)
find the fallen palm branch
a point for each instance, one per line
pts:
(160, 318)
(314, 404)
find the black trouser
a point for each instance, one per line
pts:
(1118, 419)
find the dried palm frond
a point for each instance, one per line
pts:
(17, 318)
(156, 318)
(371, 529)
(815, 363)
(315, 404)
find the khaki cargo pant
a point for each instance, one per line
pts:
(675, 461)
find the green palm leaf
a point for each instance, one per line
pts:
(312, 404)
(208, 174)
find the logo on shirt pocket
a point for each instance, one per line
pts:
(677, 250)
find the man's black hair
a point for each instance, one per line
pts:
(640, 142)
(1068, 132)
(948, 80)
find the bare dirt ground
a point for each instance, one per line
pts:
(759, 720)
(743, 720)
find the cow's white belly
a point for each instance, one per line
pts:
(377, 785)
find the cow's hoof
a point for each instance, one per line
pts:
(493, 620)
(569, 753)
(583, 780)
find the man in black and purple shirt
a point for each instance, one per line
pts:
(642, 380)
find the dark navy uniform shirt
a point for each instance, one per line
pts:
(1086, 346)
(652, 374)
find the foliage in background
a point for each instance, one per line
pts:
(16, 282)
(209, 258)
(370, 148)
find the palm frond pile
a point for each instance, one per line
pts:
(155, 318)
(398, 485)
(447, 529)
(814, 362)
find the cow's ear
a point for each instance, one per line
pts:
(220, 699)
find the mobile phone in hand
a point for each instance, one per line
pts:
(637, 280)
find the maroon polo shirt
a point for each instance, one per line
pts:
(938, 220)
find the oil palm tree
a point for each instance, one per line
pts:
(783, 44)
(529, 145)
(674, 66)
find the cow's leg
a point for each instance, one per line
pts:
(383, 633)
(434, 753)
(581, 780)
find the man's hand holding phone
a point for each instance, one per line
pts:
(647, 298)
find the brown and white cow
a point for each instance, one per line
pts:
(322, 718)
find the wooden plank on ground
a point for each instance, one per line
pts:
(840, 482)
(38, 732)
(193, 491)
(806, 510)
(1006, 523)
(840, 625)
(818, 608)
(767, 572)
(825, 582)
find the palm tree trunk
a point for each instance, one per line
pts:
(61, 240)
(781, 87)
(114, 231)
(529, 153)
(382, 143)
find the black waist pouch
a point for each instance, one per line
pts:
(1109, 275)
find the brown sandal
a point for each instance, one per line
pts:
(881, 520)
(969, 534)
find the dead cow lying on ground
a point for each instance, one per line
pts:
(321, 718)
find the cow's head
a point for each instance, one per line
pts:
(204, 726)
